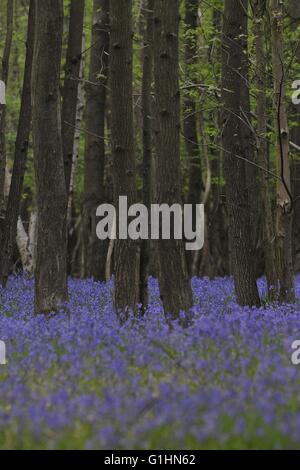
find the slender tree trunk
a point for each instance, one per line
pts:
(70, 91)
(175, 288)
(205, 268)
(251, 169)
(74, 234)
(121, 69)
(217, 230)
(196, 186)
(259, 11)
(20, 158)
(95, 249)
(284, 198)
(16, 46)
(27, 244)
(294, 14)
(147, 139)
(236, 145)
(73, 85)
(4, 78)
(51, 269)
(77, 135)
(190, 116)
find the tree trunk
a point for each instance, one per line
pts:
(236, 143)
(217, 230)
(4, 79)
(121, 69)
(294, 14)
(251, 169)
(51, 277)
(175, 288)
(190, 117)
(77, 135)
(196, 186)
(95, 249)
(259, 12)
(27, 244)
(147, 140)
(20, 158)
(284, 199)
(70, 91)
(75, 235)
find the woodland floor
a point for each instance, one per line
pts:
(80, 381)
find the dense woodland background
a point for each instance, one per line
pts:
(164, 101)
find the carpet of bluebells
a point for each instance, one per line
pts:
(79, 380)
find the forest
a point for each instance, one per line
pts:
(149, 224)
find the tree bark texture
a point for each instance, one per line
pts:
(175, 288)
(284, 204)
(71, 84)
(147, 109)
(268, 229)
(122, 140)
(94, 250)
(51, 269)
(235, 137)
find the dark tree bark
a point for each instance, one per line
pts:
(190, 117)
(251, 169)
(268, 232)
(217, 231)
(51, 277)
(284, 205)
(4, 78)
(20, 158)
(196, 186)
(121, 69)
(175, 288)
(95, 249)
(236, 147)
(294, 15)
(70, 90)
(147, 140)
